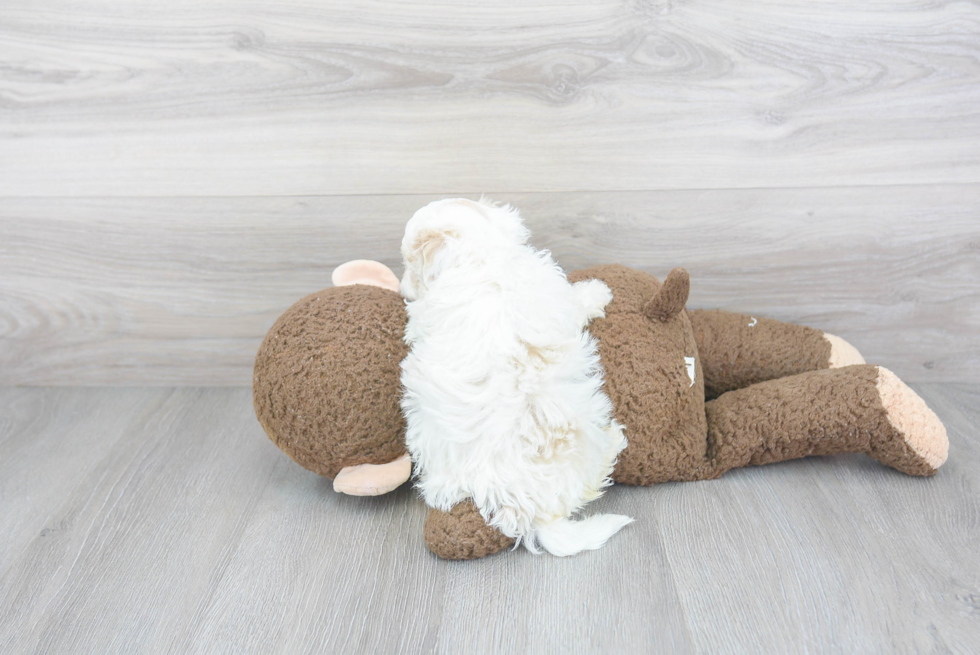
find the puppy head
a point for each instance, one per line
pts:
(443, 231)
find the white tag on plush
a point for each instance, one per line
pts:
(689, 363)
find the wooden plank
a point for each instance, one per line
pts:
(51, 442)
(135, 548)
(622, 598)
(165, 291)
(319, 572)
(839, 554)
(194, 534)
(317, 97)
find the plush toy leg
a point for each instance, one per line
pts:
(738, 350)
(461, 533)
(856, 409)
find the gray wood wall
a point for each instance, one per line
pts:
(174, 175)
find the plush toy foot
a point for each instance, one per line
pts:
(461, 533)
(854, 409)
(926, 445)
(841, 352)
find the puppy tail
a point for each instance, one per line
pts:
(565, 537)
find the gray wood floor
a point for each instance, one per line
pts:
(152, 520)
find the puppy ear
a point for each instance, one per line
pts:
(424, 254)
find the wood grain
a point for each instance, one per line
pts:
(188, 531)
(164, 291)
(174, 175)
(319, 97)
(149, 528)
(50, 443)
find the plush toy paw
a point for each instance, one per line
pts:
(841, 352)
(927, 445)
(461, 533)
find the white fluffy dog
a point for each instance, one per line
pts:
(503, 387)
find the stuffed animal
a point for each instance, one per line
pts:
(699, 392)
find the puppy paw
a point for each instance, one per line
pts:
(594, 296)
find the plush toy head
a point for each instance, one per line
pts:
(326, 381)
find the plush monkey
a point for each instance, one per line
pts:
(699, 392)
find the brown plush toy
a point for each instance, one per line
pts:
(326, 390)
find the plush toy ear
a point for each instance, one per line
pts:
(671, 297)
(373, 479)
(365, 271)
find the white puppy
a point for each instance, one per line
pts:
(503, 387)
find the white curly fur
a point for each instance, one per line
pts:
(503, 387)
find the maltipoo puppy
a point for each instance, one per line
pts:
(503, 387)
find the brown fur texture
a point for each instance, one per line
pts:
(461, 533)
(671, 298)
(647, 381)
(738, 349)
(815, 413)
(326, 380)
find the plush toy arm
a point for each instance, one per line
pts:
(461, 533)
(855, 409)
(738, 350)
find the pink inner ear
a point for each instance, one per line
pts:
(373, 479)
(365, 271)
